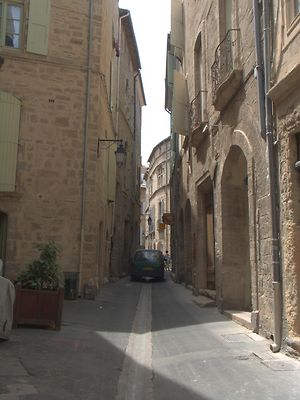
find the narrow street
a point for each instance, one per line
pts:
(144, 341)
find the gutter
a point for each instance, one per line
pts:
(259, 68)
(85, 145)
(276, 268)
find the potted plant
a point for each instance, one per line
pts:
(39, 290)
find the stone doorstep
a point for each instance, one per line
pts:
(241, 317)
(208, 293)
(203, 301)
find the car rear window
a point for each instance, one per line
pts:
(147, 256)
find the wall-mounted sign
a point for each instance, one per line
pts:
(168, 218)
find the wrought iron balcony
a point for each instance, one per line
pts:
(226, 72)
(197, 118)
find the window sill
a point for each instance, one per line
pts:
(10, 195)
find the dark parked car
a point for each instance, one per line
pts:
(147, 264)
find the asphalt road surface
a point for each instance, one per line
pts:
(144, 341)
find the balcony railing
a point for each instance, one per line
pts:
(225, 64)
(196, 112)
(197, 118)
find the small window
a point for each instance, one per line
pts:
(297, 7)
(161, 209)
(293, 9)
(11, 24)
(160, 174)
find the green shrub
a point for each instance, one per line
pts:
(42, 273)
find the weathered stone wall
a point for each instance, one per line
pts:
(285, 95)
(160, 157)
(127, 204)
(47, 204)
(236, 125)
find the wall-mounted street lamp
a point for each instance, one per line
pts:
(120, 152)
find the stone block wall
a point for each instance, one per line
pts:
(237, 126)
(47, 204)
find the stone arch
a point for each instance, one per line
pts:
(180, 237)
(206, 238)
(236, 266)
(188, 243)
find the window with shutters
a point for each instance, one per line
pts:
(9, 137)
(38, 26)
(12, 32)
(11, 16)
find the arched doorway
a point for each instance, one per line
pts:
(235, 268)
(188, 243)
(205, 260)
(180, 248)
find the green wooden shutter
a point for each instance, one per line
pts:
(9, 136)
(177, 28)
(38, 26)
(180, 105)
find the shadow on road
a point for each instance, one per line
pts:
(83, 360)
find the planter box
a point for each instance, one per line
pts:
(38, 307)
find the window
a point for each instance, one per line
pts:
(151, 187)
(161, 210)
(10, 23)
(198, 66)
(160, 173)
(293, 9)
(198, 103)
(225, 20)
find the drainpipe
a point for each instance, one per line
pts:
(137, 178)
(85, 145)
(277, 297)
(259, 68)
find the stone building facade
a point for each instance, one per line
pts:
(284, 93)
(234, 153)
(143, 201)
(157, 177)
(59, 96)
(131, 100)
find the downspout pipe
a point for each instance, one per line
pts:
(85, 145)
(137, 178)
(276, 269)
(259, 68)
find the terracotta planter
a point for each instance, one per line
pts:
(38, 307)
